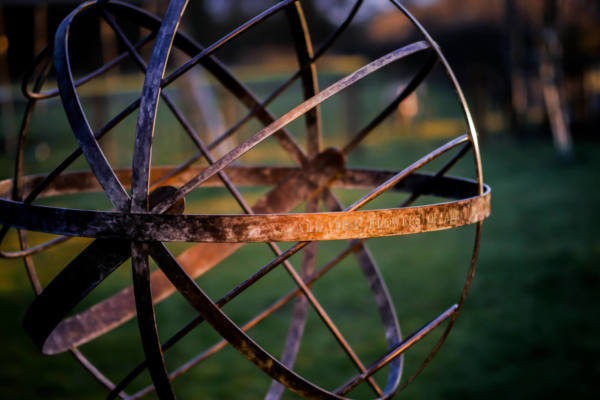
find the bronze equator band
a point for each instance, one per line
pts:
(466, 208)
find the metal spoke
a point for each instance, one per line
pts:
(147, 320)
(408, 89)
(225, 39)
(408, 342)
(287, 118)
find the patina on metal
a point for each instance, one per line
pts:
(154, 213)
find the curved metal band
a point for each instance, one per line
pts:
(140, 178)
(250, 228)
(463, 102)
(46, 52)
(76, 116)
(481, 189)
(247, 228)
(139, 199)
(74, 182)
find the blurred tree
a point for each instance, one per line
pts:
(551, 78)
(7, 140)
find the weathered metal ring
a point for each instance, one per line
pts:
(243, 227)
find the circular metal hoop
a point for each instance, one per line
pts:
(153, 214)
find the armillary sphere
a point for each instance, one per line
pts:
(148, 205)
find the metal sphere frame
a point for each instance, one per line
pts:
(153, 214)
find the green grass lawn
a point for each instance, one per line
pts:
(529, 328)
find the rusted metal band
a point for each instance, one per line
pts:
(74, 182)
(139, 201)
(45, 54)
(76, 115)
(247, 228)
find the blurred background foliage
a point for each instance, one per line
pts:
(531, 74)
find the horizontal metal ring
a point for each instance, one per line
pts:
(256, 228)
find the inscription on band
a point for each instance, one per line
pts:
(386, 223)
